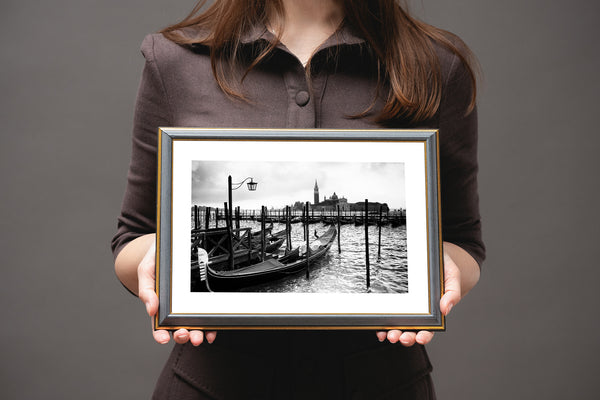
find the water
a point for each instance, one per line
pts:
(345, 272)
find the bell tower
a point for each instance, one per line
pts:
(316, 193)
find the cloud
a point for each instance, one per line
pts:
(283, 183)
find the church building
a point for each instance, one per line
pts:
(329, 204)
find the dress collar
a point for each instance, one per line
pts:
(344, 35)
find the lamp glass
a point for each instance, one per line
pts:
(252, 185)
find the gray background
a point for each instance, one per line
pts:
(70, 71)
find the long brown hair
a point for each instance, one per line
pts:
(403, 47)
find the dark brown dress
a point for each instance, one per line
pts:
(178, 89)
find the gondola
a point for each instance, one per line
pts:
(245, 255)
(270, 269)
(272, 244)
(334, 221)
(268, 230)
(279, 234)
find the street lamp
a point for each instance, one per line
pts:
(230, 185)
(252, 185)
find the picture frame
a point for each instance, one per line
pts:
(241, 262)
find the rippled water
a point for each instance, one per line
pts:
(345, 272)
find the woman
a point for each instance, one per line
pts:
(348, 64)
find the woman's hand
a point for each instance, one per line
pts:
(459, 278)
(146, 285)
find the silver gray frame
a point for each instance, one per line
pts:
(166, 320)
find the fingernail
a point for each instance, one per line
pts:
(449, 308)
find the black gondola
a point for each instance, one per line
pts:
(270, 269)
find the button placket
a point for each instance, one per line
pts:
(301, 110)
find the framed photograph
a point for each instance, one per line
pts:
(298, 229)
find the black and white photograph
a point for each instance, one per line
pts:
(352, 217)
(300, 227)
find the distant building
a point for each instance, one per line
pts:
(373, 207)
(329, 204)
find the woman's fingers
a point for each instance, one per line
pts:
(211, 336)
(146, 293)
(451, 297)
(408, 338)
(181, 336)
(394, 335)
(452, 292)
(161, 336)
(405, 338)
(424, 337)
(147, 280)
(196, 337)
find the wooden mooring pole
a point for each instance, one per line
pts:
(207, 218)
(379, 244)
(367, 243)
(339, 232)
(229, 238)
(304, 218)
(249, 245)
(263, 225)
(307, 234)
(230, 198)
(288, 227)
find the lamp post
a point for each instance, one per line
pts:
(234, 186)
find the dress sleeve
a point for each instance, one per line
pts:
(138, 212)
(461, 221)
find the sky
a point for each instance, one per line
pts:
(283, 183)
